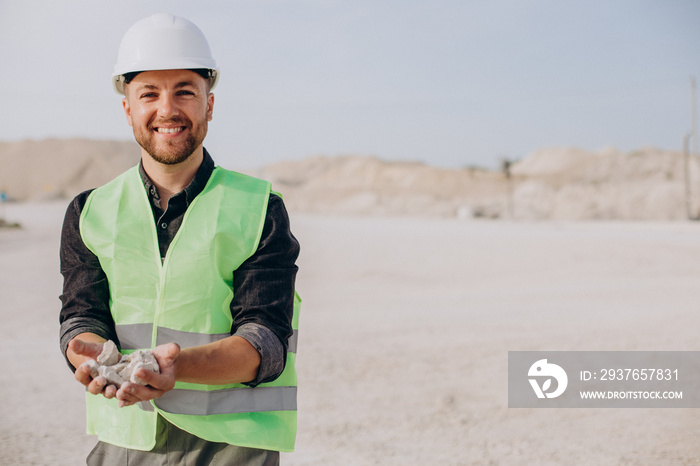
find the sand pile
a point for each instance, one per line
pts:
(554, 183)
(370, 186)
(557, 183)
(61, 168)
(647, 184)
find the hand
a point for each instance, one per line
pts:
(157, 384)
(85, 350)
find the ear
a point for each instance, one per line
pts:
(127, 111)
(210, 106)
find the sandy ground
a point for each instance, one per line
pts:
(406, 324)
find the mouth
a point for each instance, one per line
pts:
(176, 129)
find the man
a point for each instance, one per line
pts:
(192, 261)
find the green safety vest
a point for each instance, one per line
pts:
(156, 301)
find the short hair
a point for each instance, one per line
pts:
(206, 73)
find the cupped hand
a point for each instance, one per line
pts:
(157, 384)
(87, 350)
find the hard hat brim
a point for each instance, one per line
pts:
(119, 80)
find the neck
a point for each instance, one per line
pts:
(171, 179)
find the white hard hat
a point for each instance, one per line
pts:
(163, 42)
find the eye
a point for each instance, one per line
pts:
(185, 92)
(148, 95)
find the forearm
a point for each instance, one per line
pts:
(231, 360)
(85, 297)
(263, 296)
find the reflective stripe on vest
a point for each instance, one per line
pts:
(231, 400)
(135, 336)
(155, 302)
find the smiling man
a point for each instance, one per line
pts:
(186, 259)
(169, 112)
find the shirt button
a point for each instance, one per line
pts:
(164, 225)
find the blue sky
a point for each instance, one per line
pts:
(449, 83)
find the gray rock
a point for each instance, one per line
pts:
(111, 375)
(94, 367)
(110, 354)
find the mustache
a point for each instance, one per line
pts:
(177, 120)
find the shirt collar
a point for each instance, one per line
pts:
(195, 187)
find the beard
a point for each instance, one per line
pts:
(171, 152)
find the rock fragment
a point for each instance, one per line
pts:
(111, 375)
(110, 354)
(128, 366)
(94, 367)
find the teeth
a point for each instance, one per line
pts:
(169, 130)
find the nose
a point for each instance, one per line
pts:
(167, 106)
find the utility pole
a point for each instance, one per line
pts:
(505, 167)
(686, 160)
(690, 151)
(693, 115)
